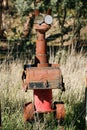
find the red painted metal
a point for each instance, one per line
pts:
(43, 100)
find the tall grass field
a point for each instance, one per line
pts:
(13, 97)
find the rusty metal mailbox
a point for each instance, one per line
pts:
(42, 77)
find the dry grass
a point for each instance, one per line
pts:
(73, 67)
(12, 95)
(74, 77)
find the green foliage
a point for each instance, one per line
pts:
(23, 6)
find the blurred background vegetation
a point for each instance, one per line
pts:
(17, 34)
(67, 45)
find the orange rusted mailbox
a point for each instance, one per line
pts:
(42, 77)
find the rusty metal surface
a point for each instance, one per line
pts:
(41, 45)
(44, 77)
(28, 111)
(42, 28)
(42, 73)
(60, 111)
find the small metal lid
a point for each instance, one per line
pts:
(48, 19)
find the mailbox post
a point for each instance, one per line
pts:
(42, 77)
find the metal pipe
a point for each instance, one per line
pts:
(86, 99)
(0, 116)
(42, 97)
(41, 45)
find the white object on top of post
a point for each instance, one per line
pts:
(48, 19)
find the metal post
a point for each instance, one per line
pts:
(0, 114)
(86, 99)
